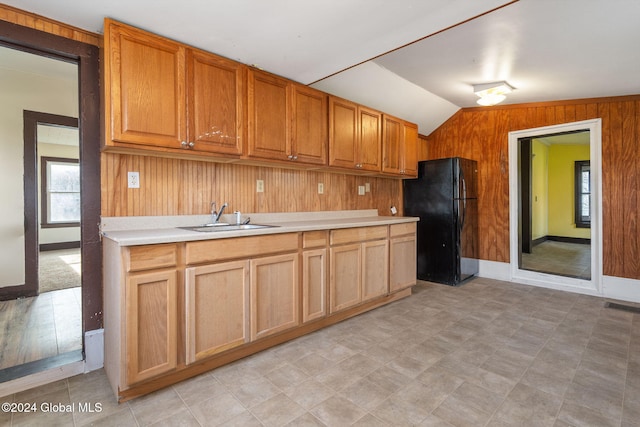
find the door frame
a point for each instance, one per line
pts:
(31, 121)
(87, 57)
(593, 286)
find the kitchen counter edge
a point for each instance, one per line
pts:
(175, 235)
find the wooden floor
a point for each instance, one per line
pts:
(40, 327)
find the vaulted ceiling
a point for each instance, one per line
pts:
(416, 59)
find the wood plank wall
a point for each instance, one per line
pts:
(482, 134)
(187, 187)
(37, 22)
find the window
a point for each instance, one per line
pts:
(583, 194)
(60, 192)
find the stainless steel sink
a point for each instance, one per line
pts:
(208, 228)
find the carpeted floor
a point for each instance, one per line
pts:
(59, 269)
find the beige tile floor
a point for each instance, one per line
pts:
(561, 258)
(486, 353)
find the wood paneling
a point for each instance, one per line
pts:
(481, 134)
(37, 22)
(187, 187)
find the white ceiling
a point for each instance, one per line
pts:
(547, 49)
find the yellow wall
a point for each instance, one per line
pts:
(561, 190)
(540, 190)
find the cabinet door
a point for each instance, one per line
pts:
(402, 260)
(145, 88)
(269, 116)
(410, 152)
(392, 144)
(215, 88)
(310, 126)
(345, 276)
(370, 147)
(375, 269)
(217, 308)
(151, 324)
(314, 284)
(274, 294)
(343, 133)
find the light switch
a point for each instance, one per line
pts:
(259, 186)
(360, 190)
(320, 188)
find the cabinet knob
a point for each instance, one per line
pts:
(295, 157)
(290, 157)
(184, 144)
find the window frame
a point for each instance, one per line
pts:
(44, 190)
(579, 167)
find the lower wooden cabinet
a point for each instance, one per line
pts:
(274, 294)
(375, 269)
(402, 256)
(174, 310)
(151, 324)
(345, 276)
(359, 266)
(216, 308)
(314, 284)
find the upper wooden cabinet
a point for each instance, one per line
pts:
(269, 116)
(168, 97)
(309, 125)
(145, 91)
(215, 103)
(399, 147)
(355, 136)
(287, 121)
(161, 94)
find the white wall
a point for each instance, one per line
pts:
(21, 91)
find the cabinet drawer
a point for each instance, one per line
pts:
(314, 239)
(239, 247)
(402, 229)
(148, 257)
(360, 234)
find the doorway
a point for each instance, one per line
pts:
(86, 96)
(567, 265)
(554, 188)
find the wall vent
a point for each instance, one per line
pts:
(623, 307)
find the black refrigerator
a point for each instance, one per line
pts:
(445, 197)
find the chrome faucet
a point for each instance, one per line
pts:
(215, 216)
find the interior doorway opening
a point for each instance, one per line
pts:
(41, 296)
(86, 96)
(526, 237)
(555, 204)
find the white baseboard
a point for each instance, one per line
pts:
(495, 270)
(611, 287)
(621, 288)
(94, 349)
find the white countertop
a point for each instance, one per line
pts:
(131, 231)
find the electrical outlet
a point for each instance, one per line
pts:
(360, 190)
(367, 187)
(133, 179)
(259, 186)
(320, 188)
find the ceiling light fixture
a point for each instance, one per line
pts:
(492, 93)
